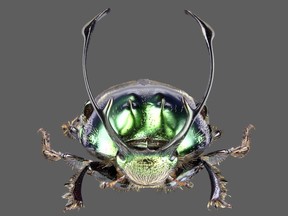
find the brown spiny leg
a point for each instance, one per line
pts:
(242, 150)
(178, 183)
(218, 187)
(74, 184)
(80, 164)
(74, 195)
(112, 184)
(184, 184)
(48, 153)
(71, 129)
(216, 157)
(183, 178)
(97, 168)
(218, 183)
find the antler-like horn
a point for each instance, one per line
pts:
(102, 114)
(208, 34)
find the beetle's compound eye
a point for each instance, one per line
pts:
(88, 110)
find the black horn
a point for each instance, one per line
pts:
(208, 34)
(103, 114)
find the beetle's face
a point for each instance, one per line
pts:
(147, 116)
(147, 122)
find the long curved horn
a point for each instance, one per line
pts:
(103, 115)
(208, 34)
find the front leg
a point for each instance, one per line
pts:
(218, 183)
(97, 168)
(218, 187)
(216, 157)
(74, 185)
(74, 161)
(242, 150)
(74, 195)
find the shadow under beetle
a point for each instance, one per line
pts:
(144, 134)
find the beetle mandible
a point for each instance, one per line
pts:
(144, 134)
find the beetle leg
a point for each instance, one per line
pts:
(112, 184)
(48, 153)
(102, 167)
(114, 179)
(99, 169)
(95, 168)
(216, 157)
(74, 194)
(218, 187)
(71, 129)
(242, 150)
(183, 179)
(180, 183)
(75, 182)
(74, 161)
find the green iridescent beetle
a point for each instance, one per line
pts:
(144, 134)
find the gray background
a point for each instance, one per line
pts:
(41, 86)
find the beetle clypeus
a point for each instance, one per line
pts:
(144, 134)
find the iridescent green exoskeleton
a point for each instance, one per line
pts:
(144, 134)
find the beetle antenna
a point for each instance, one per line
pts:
(208, 34)
(102, 114)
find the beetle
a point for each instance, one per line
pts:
(145, 134)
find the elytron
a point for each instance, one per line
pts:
(144, 134)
